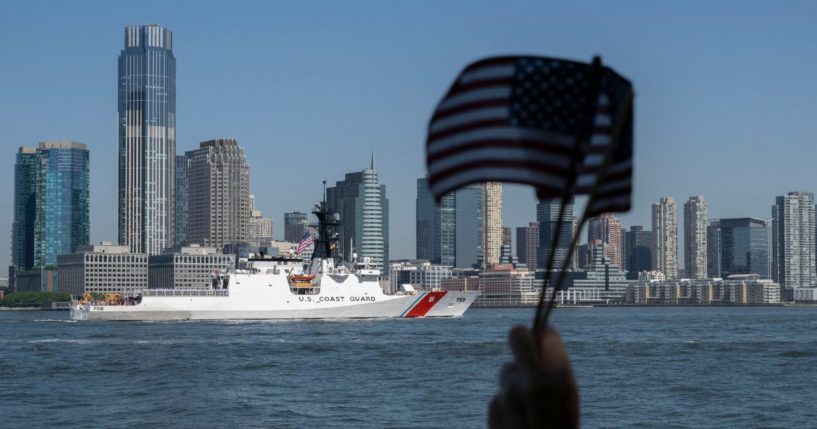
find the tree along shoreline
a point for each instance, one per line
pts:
(32, 300)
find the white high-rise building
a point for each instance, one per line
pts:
(695, 223)
(260, 229)
(607, 229)
(665, 226)
(493, 222)
(360, 200)
(793, 252)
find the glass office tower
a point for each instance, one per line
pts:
(436, 226)
(547, 215)
(147, 139)
(361, 201)
(25, 208)
(744, 247)
(51, 203)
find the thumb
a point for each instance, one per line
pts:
(552, 351)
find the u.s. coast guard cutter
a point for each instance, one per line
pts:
(284, 288)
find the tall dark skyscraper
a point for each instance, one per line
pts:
(713, 249)
(638, 251)
(294, 225)
(744, 247)
(527, 245)
(547, 215)
(180, 224)
(51, 203)
(147, 139)
(436, 226)
(26, 170)
(469, 217)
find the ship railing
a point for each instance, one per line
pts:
(186, 292)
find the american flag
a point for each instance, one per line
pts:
(305, 242)
(517, 119)
(607, 168)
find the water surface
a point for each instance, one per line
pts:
(636, 367)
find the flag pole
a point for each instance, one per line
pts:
(582, 137)
(592, 194)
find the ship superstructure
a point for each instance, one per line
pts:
(285, 288)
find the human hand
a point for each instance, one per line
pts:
(537, 389)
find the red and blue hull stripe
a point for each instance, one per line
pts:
(423, 304)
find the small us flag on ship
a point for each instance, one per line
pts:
(305, 242)
(550, 123)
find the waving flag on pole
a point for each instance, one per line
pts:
(305, 242)
(524, 120)
(607, 167)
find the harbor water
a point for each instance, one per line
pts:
(636, 367)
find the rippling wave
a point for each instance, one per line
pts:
(636, 367)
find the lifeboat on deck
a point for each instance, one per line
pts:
(301, 280)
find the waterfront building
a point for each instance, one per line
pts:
(436, 226)
(180, 223)
(547, 216)
(638, 251)
(461, 283)
(493, 223)
(295, 224)
(801, 295)
(527, 245)
(361, 201)
(740, 289)
(147, 139)
(793, 241)
(190, 267)
(713, 249)
(607, 229)
(102, 268)
(51, 208)
(744, 247)
(507, 288)
(649, 276)
(34, 281)
(422, 275)
(218, 195)
(695, 223)
(665, 228)
(602, 280)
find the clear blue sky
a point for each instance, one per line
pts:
(725, 103)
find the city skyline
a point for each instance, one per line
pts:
(779, 123)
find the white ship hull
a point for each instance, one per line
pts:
(269, 295)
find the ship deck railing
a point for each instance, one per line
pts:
(186, 292)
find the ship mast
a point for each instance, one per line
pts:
(328, 225)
